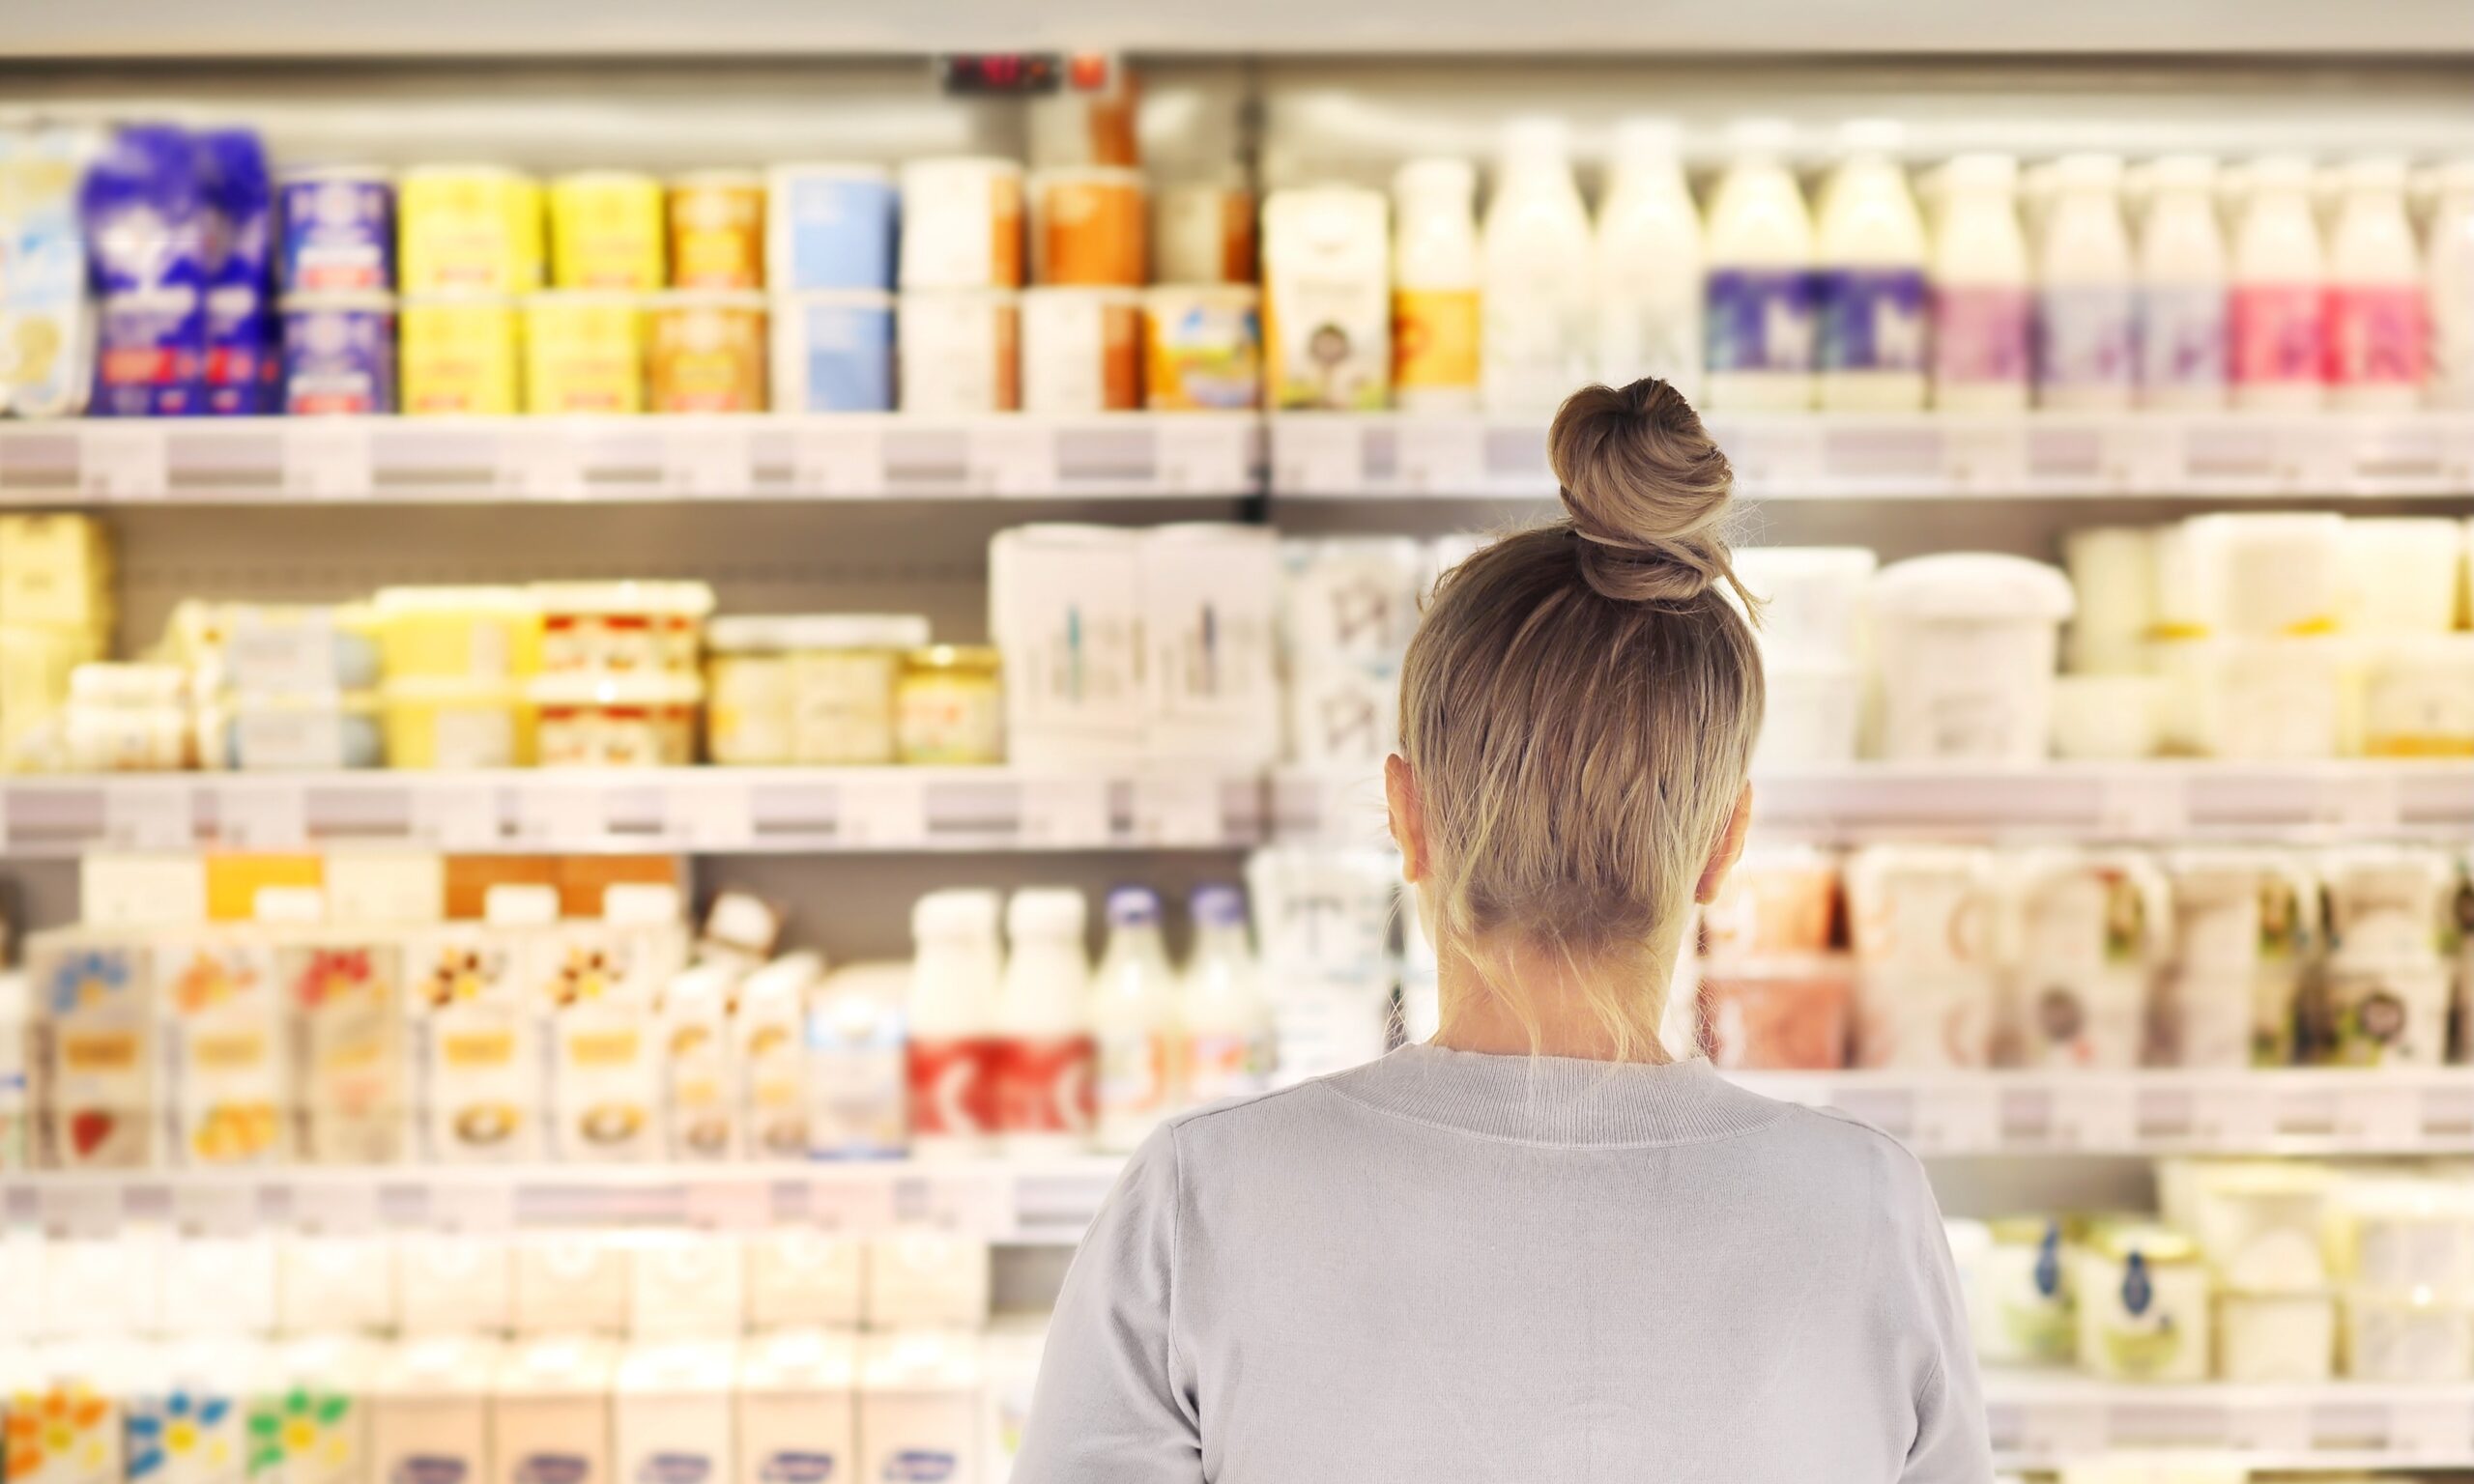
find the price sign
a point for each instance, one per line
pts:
(883, 811)
(1012, 459)
(456, 816)
(859, 1204)
(326, 459)
(729, 1205)
(216, 1207)
(957, 1200)
(1208, 453)
(124, 461)
(145, 815)
(1442, 455)
(708, 461)
(1318, 456)
(262, 816)
(719, 815)
(847, 463)
(1178, 809)
(540, 462)
(1065, 814)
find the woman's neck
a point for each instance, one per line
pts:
(1545, 1004)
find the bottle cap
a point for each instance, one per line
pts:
(958, 913)
(1134, 907)
(1870, 136)
(1218, 904)
(2088, 172)
(1760, 137)
(1424, 178)
(1044, 912)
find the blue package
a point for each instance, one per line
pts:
(832, 227)
(339, 355)
(833, 353)
(336, 231)
(243, 375)
(144, 221)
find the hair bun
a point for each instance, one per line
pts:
(1645, 488)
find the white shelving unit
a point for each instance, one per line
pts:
(1340, 456)
(2042, 1421)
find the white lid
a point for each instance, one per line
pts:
(1981, 171)
(520, 904)
(1641, 139)
(569, 1281)
(1537, 139)
(1760, 137)
(449, 1284)
(828, 169)
(686, 1283)
(1044, 912)
(800, 1359)
(1436, 177)
(956, 912)
(1872, 136)
(2182, 172)
(594, 689)
(838, 298)
(2375, 172)
(2088, 172)
(1973, 584)
(628, 595)
(496, 602)
(2280, 172)
(227, 1285)
(642, 903)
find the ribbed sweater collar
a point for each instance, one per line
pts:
(1556, 1100)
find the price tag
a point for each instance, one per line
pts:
(565, 814)
(883, 811)
(710, 461)
(1205, 455)
(2051, 1426)
(2262, 1429)
(1065, 814)
(262, 817)
(1987, 458)
(124, 461)
(326, 459)
(717, 815)
(540, 461)
(216, 1207)
(335, 1207)
(1955, 1118)
(2303, 1111)
(844, 461)
(1890, 1109)
(1178, 809)
(1318, 454)
(956, 1200)
(456, 816)
(725, 1204)
(2313, 458)
(1774, 456)
(2093, 1119)
(2440, 1429)
(79, 1207)
(859, 1204)
(2167, 1116)
(2378, 1120)
(146, 815)
(2230, 1115)
(2141, 806)
(2457, 454)
(480, 1206)
(2362, 803)
(1440, 455)
(2141, 455)
(1009, 458)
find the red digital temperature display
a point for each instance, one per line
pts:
(1003, 71)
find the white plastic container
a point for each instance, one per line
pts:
(2085, 310)
(429, 1413)
(2106, 718)
(1649, 263)
(1082, 350)
(2376, 331)
(2113, 572)
(1210, 616)
(1981, 305)
(1968, 645)
(2401, 574)
(2280, 276)
(570, 1282)
(2255, 700)
(1871, 309)
(2449, 288)
(961, 223)
(550, 1412)
(2383, 1012)
(2418, 696)
(673, 1412)
(1065, 609)
(2397, 1234)
(798, 1408)
(919, 1407)
(2416, 1337)
(2184, 303)
(923, 1278)
(2143, 1311)
(1044, 1061)
(1539, 336)
(1225, 1048)
(2018, 1308)
(768, 1060)
(1926, 909)
(2269, 573)
(1434, 287)
(1760, 303)
(1813, 714)
(953, 1024)
(802, 1278)
(1133, 1019)
(1326, 299)
(1816, 601)
(2275, 1339)
(960, 350)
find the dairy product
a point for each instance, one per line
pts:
(769, 1057)
(706, 352)
(798, 1277)
(1759, 286)
(606, 232)
(1981, 309)
(1203, 347)
(2085, 308)
(797, 1408)
(2183, 302)
(187, 1411)
(919, 1277)
(473, 1046)
(550, 1412)
(336, 227)
(919, 1407)
(717, 229)
(429, 1410)
(2415, 1337)
(1133, 1018)
(474, 228)
(1434, 286)
(857, 1067)
(830, 227)
(1538, 338)
(2449, 287)
(1202, 232)
(459, 353)
(145, 226)
(2142, 1298)
(833, 352)
(17, 1090)
(313, 1425)
(1065, 606)
(1010, 1353)
(1082, 350)
(699, 1103)
(242, 372)
(1327, 314)
(1325, 920)
(2019, 1303)
(961, 223)
(1089, 226)
(2375, 328)
(1968, 643)
(1870, 291)
(225, 1082)
(2279, 327)
(960, 351)
(97, 1068)
(1044, 1079)
(2084, 930)
(338, 353)
(1648, 264)
(584, 351)
(46, 322)
(1209, 611)
(953, 1050)
(1223, 1021)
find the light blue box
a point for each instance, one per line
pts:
(831, 227)
(833, 353)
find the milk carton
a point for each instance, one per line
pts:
(550, 1412)
(673, 1412)
(186, 1412)
(96, 1095)
(474, 1045)
(699, 1121)
(220, 1028)
(569, 1283)
(798, 1408)
(1065, 608)
(344, 995)
(17, 1087)
(769, 1057)
(686, 1286)
(429, 1418)
(1010, 1356)
(798, 1277)
(857, 1064)
(311, 1426)
(332, 1282)
(217, 1285)
(1327, 311)
(452, 1284)
(597, 997)
(1760, 320)
(1209, 602)
(919, 1406)
(69, 1398)
(926, 1279)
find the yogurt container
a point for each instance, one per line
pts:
(592, 721)
(961, 223)
(606, 231)
(960, 351)
(830, 227)
(338, 355)
(717, 229)
(2142, 1292)
(344, 996)
(833, 352)
(2020, 1309)
(1812, 715)
(1816, 601)
(1088, 227)
(584, 351)
(1779, 901)
(1082, 350)
(1203, 347)
(2418, 696)
(222, 1032)
(99, 1057)
(471, 228)
(2412, 1337)
(1202, 232)
(623, 627)
(2269, 1339)
(458, 633)
(2382, 1013)
(706, 352)
(459, 353)
(2254, 699)
(445, 722)
(1778, 1014)
(48, 367)
(335, 227)
(1968, 645)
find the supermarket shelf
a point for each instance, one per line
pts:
(343, 460)
(1910, 456)
(2043, 1421)
(710, 809)
(2133, 801)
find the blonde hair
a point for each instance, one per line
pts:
(1579, 710)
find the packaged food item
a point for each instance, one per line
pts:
(640, 720)
(473, 228)
(2086, 309)
(2255, 700)
(1968, 643)
(621, 627)
(1816, 601)
(248, 886)
(2109, 718)
(1327, 308)
(97, 1068)
(717, 229)
(225, 1067)
(46, 321)
(2259, 1221)
(457, 723)
(1779, 900)
(128, 718)
(2278, 327)
(2241, 931)
(1088, 227)
(474, 1045)
(807, 689)
(2388, 902)
(338, 355)
(2142, 1294)
(706, 352)
(1759, 317)
(1869, 298)
(1202, 232)
(243, 374)
(830, 227)
(857, 1064)
(1209, 616)
(2413, 1337)
(458, 633)
(2084, 931)
(2397, 1234)
(606, 232)
(960, 351)
(2021, 1308)
(2183, 298)
(2377, 333)
(347, 1017)
(336, 224)
(429, 1410)
(16, 1082)
(549, 1411)
(1082, 350)
(2268, 573)
(2271, 1339)
(797, 1412)
(1922, 921)
(295, 732)
(1203, 347)
(1537, 307)
(949, 706)
(584, 351)
(769, 1057)
(1778, 1014)
(961, 223)
(605, 1056)
(2401, 575)
(833, 352)
(2382, 1013)
(460, 353)
(1649, 262)
(145, 225)
(950, 1018)
(2418, 696)
(1065, 606)
(698, 1111)
(671, 1417)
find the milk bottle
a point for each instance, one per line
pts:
(2279, 327)
(953, 1032)
(1980, 304)
(1649, 263)
(919, 1407)
(1870, 290)
(857, 1072)
(1760, 299)
(2450, 283)
(798, 1409)
(1044, 1098)
(2375, 328)
(1133, 1015)
(2084, 306)
(1223, 1021)
(1434, 287)
(1538, 336)
(2182, 290)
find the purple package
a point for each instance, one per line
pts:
(338, 230)
(144, 239)
(338, 353)
(243, 375)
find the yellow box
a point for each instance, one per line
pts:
(468, 228)
(35, 665)
(460, 353)
(233, 882)
(584, 351)
(458, 633)
(55, 569)
(458, 725)
(606, 231)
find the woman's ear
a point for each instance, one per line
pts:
(1729, 851)
(1406, 816)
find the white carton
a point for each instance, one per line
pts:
(430, 1414)
(187, 1412)
(473, 1045)
(798, 1408)
(95, 1087)
(344, 994)
(1010, 1358)
(1064, 605)
(316, 1415)
(926, 1280)
(919, 1407)
(802, 1278)
(220, 1028)
(449, 1284)
(673, 1412)
(218, 1285)
(596, 990)
(77, 1390)
(768, 1056)
(686, 1286)
(335, 1283)
(550, 1412)
(570, 1283)
(698, 1114)
(1209, 620)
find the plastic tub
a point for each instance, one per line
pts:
(1923, 908)
(2022, 1312)
(584, 351)
(2265, 576)
(1780, 1013)
(434, 723)
(1203, 347)
(259, 733)
(1779, 900)
(2255, 700)
(622, 628)
(2143, 1312)
(814, 689)
(949, 706)
(1968, 641)
(2401, 574)
(705, 351)
(2107, 717)
(1812, 715)
(2418, 696)
(2383, 1014)
(1925, 1020)
(2274, 1338)
(2398, 1234)
(2414, 1338)
(616, 721)
(458, 633)
(1815, 601)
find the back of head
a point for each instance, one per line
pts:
(1579, 705)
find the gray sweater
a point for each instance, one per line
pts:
(1446, 1266)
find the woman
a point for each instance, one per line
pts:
(1535, 1248)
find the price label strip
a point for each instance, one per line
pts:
(456, 816)
(710, 461)
(149, 814)
(262, 816)
(1065, 814)
(124, 461)
(882, 811)
(716, 815)
(328, 459)
(846, 463)
(1205, 455)
(1442, 456)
